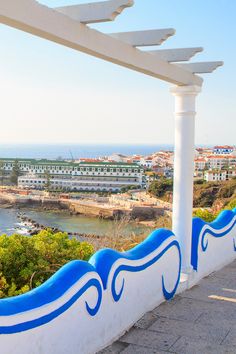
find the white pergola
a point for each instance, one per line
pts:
(69, 26)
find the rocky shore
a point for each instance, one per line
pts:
(81, 207)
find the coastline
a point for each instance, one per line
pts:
(143, 216)
(136, 212)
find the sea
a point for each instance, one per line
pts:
(76, 151)
(10, 223)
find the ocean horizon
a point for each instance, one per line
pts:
(75, 151)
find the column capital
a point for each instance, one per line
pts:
(191, 90)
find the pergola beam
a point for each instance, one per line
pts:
(144, 38)
(95, 12)
(37, 19)
(201, 67)
(177, 54)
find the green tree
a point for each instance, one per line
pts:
(15, 173)
(26, 262)
(231, 204)
(205, 215)
(159, 187)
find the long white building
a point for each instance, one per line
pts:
(83, 176)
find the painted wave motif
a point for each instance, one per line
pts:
(47, 302)
(202, 230)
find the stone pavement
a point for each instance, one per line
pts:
(201, 320)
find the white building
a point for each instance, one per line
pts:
(223, 149)
(146, 162)
(83, 176)
(215, 175)
(200, 164)
(220, 161)
(117, 157)
(219, 175)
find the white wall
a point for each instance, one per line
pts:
(75, 331)
(214, 244)
(82, 308)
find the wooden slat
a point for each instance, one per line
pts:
(95, 12)
(175, 55)
(30, 16)
(202, 67)
(144, 38)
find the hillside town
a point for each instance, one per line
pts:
(216, 163)
(117, 172)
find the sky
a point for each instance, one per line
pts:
(53, 94)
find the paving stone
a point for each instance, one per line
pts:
(195, 303)
(230, 339)
(191, 323)
(231, 265)
(115, 348)
(182, 310)
(218, 316)
(200, 292)
(206, 289)
(214, 334)
(226, 273)
(214, 280)
(135, 349)
(146, 321)
(223, 309)
(150, 339)
(186, 345)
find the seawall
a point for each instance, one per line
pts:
(84, 207)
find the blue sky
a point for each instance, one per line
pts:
(50, 93)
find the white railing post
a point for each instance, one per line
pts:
(185, 97)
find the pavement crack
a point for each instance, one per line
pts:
(224, 337)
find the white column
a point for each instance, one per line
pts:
(185, 97)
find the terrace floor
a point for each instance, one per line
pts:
(201, 320)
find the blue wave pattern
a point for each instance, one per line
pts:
(100, 265)
(128, 268)
(226, 218)
(104, 260)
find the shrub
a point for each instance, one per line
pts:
(204, 214)
(159, 187)
(199, 181)
(231, 204)
(27, 262)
